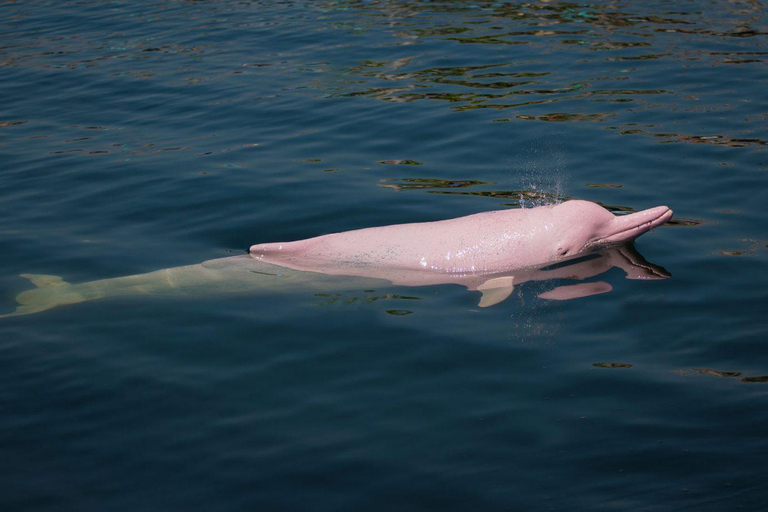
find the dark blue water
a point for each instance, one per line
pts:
(137, 136)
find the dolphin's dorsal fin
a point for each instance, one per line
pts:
(495, 290)
(44, 281)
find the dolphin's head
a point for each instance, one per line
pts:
(583, 225)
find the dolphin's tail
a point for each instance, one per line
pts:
(49, 292)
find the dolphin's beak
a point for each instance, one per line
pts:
(626, 228)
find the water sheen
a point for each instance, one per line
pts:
(137, 136)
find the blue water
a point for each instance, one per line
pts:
(137, 136)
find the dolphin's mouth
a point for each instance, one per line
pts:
(626, 228)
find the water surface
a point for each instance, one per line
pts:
(137, 136)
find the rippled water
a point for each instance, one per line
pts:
(139, 136)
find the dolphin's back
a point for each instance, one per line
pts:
(466, 244)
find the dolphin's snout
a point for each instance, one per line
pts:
(626, 228)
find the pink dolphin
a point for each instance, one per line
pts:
(484, 243)
(486, 251)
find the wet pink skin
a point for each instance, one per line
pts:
(481, 244)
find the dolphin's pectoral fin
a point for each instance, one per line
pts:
(576, 291)
(44, 281)
(495, 290)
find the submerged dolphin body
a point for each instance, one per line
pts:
(233, 275)
(538, 247)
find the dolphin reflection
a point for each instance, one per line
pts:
(246, 275)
